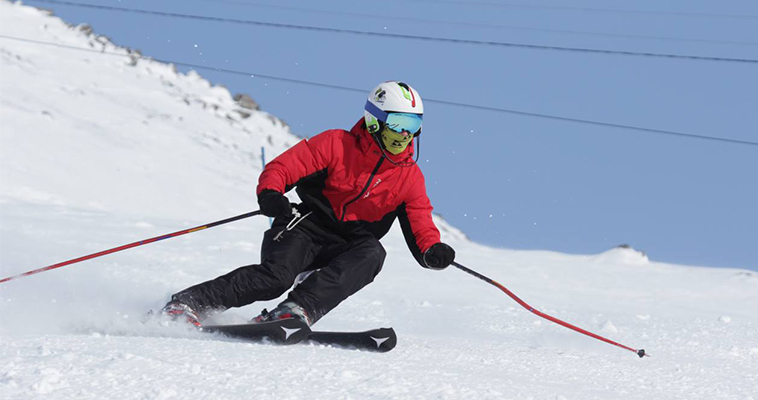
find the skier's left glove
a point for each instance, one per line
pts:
(439, 256)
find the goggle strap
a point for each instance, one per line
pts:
(376, 111)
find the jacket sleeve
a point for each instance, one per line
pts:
(415, 215)
(300, 161)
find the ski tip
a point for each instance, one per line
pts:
(379, 340)
(385, 339)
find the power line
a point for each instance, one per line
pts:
(580, 9)
(426, 99)
(398, 36)
(599, 123)
(479, 25)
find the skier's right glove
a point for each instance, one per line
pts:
(439, 256)
(274, 204)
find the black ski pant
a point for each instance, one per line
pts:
(340, 268)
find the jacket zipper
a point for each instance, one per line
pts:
(370, 179)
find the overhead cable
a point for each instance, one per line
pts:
(426, 99)
(399, 36)
(402, 18)
(582, 9)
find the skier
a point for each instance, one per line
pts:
(352, 185)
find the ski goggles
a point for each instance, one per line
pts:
(399, 122)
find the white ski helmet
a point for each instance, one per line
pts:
(391, 97)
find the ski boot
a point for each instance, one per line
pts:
(287, 309)
(178, 311)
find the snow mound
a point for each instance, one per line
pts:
(623, 255)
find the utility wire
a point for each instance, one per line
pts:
(477, 24)
(397, 36)
(426, 99)
(578, 9)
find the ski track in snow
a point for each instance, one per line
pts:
(97, 152)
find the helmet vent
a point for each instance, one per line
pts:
(408, 88)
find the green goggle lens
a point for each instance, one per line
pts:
(400, 122)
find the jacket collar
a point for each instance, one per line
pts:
(368, 144)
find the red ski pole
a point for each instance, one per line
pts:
(640, 352)
(129, 246)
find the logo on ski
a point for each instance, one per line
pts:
(288, 332)
(379, 341)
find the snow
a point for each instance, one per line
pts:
(98, 151)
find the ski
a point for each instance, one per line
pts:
(379, 340)
(292, 331)
(283, 331)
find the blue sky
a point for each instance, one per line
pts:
(505, 179)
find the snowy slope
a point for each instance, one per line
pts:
(96, 151)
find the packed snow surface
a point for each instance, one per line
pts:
(101, 150)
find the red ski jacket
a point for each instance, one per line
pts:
(345, 179)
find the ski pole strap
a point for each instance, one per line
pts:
(641, 352)
(129, 246)
(293, 223)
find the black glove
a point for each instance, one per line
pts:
(439, 256)
(273, 203)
